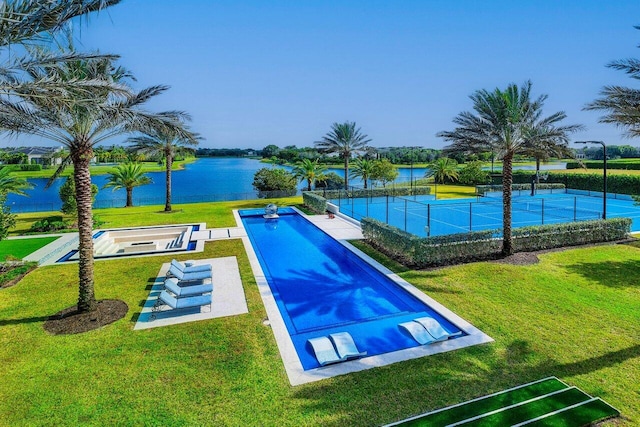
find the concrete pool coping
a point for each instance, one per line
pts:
(342, 230)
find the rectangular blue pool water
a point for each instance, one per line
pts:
(321, 287)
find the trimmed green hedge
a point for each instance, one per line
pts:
(315, 202)
(611, 164)
(541, 237)
(481, 190)
(373, 192)
(421, 252)
(621, 184)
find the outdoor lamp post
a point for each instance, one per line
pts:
(604, 193)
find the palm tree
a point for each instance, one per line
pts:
(443, 170)
(309, 171)
(504, 122)
(105, 108)
(165, 145)
(12, 184)
(127, 176)
(621, 104)
(345, 140)
(362, 168)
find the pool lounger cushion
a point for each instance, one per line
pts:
(173, 285)
(188, 276)
(337, 349)
(189, 267)
(427, 330)
(186, 302)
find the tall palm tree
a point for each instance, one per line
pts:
(621, 104)
(362, 168)
(345, 140)
(127, 176)
(311, 171)
(80, 120)
(12, 184)
(504, 122)
(442, 170)
(166, 145)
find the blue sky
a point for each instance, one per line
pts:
(253, 73)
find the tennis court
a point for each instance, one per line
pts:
(425, 216)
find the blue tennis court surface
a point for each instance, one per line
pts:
(321, 287)
(424, 216)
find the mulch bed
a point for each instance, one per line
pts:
(69, 321)
(520, 258)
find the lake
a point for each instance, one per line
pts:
(205, 180)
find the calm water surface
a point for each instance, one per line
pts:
(207, 179)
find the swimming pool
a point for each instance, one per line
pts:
(321, 287)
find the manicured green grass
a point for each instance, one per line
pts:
(574, 315)
(101, 169)
(20, 248)
(214, 214)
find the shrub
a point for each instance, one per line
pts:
(481, 190)
(331, 181)
(472, 174)
(269, 180)
(315, 202)
(611, 164)
(7, 219)
(373, 192)
(30, 167)
(621, 184)
(53, 223)
(422, 252)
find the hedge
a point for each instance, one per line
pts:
(315, 202)
(421, 252)
(373, 192)
(621, 184)
(481, 190)
(570, 234)
(611, 164)
(23, 167)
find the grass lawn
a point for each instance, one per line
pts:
(574, 315)
(101, 169)
(20, 248)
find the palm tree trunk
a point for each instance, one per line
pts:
(167, 204)
(507, 181)
(129, 197)
(346, 172)
(537, 171)
(82, 180)
(308, 185)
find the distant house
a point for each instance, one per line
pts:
(45, 156)
(251, 153)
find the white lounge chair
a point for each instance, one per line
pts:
(434, 328)
(173, 285)
(188, 276)
(336, 348)
(427, 330)
(174, 303)
(345, 346)
(418, 332)
(324, 350)
(189, 266)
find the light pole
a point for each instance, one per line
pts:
(604, 193)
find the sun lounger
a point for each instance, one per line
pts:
(418, 332)
(336, 348)
(427, 330)
(345, 346)
(189, 266)
(434, 328)
(324, 350)
(188, 276)
(173, 285)
(166, 298)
